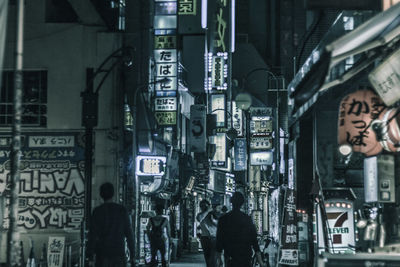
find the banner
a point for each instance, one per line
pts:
(240, 146)
(55, 251)
(289, 251)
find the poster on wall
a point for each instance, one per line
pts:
(52, 180)
(240, 148)
(55, 251)
(289, 251)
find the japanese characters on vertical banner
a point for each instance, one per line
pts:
(55, 251)
(289, 250)
(219, 45)
(166, 59)
(51, 192)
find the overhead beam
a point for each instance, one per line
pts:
(87, 12)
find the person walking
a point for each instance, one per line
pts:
(158, 230)
(208, 226)
(237, 236)
(110, 225)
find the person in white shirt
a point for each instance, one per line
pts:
(208, 226)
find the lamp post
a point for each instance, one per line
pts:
(89, 121)
(13, 252)
(277, 117)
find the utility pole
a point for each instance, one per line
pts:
(13, 251)
(89, 121)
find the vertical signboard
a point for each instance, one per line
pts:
(187, 7)
(386, 79)
(219, 158)
(240, 146)
(289, 249)
(237, 119)
(371, 179)
(340, 218)
(218, 108)
(166, 61)
(197, 136)
(256, 215)
(55, 251)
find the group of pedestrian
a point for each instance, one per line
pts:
(111, 226)
(232, 233)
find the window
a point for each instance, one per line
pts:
(34, 98)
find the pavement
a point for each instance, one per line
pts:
(189, 260)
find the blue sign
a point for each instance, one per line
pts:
(240, 163)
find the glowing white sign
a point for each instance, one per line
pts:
(150, 165)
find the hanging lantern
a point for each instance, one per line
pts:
(357, 111)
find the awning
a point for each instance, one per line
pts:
(316, 77)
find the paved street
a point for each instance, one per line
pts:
(190, 260)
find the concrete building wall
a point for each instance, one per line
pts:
(66, 50)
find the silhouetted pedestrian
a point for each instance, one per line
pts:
(159, 234)
(237, 236)
(208, 226)
(110, 225)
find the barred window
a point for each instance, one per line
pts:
(34, 98)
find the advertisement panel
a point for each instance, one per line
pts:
(165, 104)
(55, 251)
(187, 7)
(52, 180)
(165, 117)
(340, 216)
(237, 119)
(219, 158)
(386, 79)
(150, 165)
(197, 135)
(218, 108)
(261, 158)
(261, 143)
(240, 149)
(289, 239)
(218, 73)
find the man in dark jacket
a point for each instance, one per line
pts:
(237, 236)
(110, 225)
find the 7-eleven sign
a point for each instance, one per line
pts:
(340, 217)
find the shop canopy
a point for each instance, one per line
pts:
(315, 76)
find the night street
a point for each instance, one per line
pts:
(190, 260)
(133, 132)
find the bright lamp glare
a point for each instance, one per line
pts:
(345, 149)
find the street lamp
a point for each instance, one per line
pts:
(89, 121)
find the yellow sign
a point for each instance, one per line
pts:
(166, 117)
(164, 41)
(187, 7)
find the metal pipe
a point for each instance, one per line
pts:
(13, 251)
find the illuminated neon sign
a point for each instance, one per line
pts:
(150, 165)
